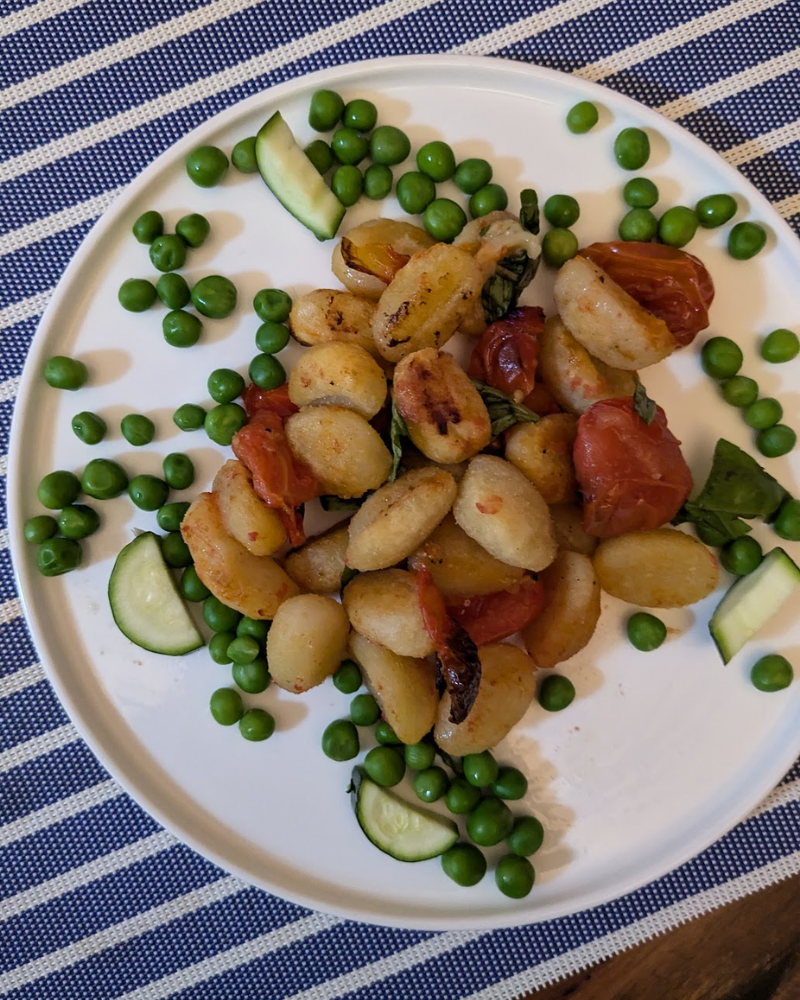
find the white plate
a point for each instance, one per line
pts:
(659, 754)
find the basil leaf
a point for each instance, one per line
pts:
(504, 412)
(397, 431)
(502, 290)
(333, 503)
(529, 210)
(347, 576)
(643, 405)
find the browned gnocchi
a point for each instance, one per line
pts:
(330, 315)
(244, 515)
(307, 641)
(543, 451)
(335, 374)
(382, 247)
(318, 565)
(384, 607)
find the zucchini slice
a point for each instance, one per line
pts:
(145, 602)
(294, 179)
(396, 827)
(752, 601)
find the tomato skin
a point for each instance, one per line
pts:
(632, 475)
(492, 617)
(256, 400)
(672, 284)
(507, 353)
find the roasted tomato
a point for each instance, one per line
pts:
(507, 353)
(631, 474)
(492, 617)
(274, 400)
(670, 283)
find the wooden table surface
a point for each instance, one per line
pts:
(746, 950)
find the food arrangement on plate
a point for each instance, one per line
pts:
(489, 492)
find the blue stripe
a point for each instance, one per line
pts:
(38, 266)
(8, 583)
(18, 648)
(35, 711)
(17, 339)
(776, 175)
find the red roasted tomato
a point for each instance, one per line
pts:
(632, 475)
(492, 617)
(507, 353)
(275, 400)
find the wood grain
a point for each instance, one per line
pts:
(746, 950)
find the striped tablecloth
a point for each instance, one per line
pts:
(96, 901)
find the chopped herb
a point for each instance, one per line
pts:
(397, 431)
(503, 289)
(643, 405)
(332, 503)
(504, 412)
(347, 576)
(529, 210)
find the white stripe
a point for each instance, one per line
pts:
(68, 217)
(9, 389)
(12, 609)
(56, 812)
(25, 308)
(18, 681)
(215, 83)
(521, 30)
(4, 535)
(781, 796)
(39, 746)
(125, 48)
(85, 874)
(601, 948)
(35, 14)
(3, 464)
(788, 207)
(174, 909)
(234, 957)
(766, 143)
(751, 77)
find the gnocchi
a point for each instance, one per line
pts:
(306, 642)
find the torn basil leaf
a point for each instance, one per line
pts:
(504, 412)
(643, 405)
(529, 210)
(502, 290)
(397, 431)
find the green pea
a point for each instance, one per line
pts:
(89, 427)
(787, 523)
(389, 146)
(772, 673)
(226, 706)
(173, 290)
(780, 346)
(444, 219)
(266, 371)
(243, 155)
(61, 372)
(677, 226)
(510, 783)
(364, 710)
(360, 114)
(103, 479)
(214, 296)
(57, 556)
(462, 797)
(256, 725)
(175, 550)
(191, 586)
(78, 521)
(137, 429)
(559, 246)
(715, 210)
(472, 174)
(148, 227)
(464, 864)
(480, 769)
(740, 391)
(347, 678)
(489, 822)
(256, 628)
(640, 192)
(218, 616)
(436, 160)
(148, 492)
(224, 385)
(490, 198)
(272, 305)
(638, 225)
(765, 412)
(385, 735)
(419, 756)
(556, 692)
(526, 836)
(582, 117)
(223, 421)
(189, 417)
(206, 165)
(325, 110)
(321, 155)
(218, 644)
(136, 294)
(347, 184)
(746, 239)
(562, 210)
(181, 329)
(252, 677)
(741, 556)
(193, 229)
(243, 649)
(645, 631)
(58, 489)
(431, 784)
(378, 180)
(349, 146)
(178, 471)
(39, 528)
(514, 876)
(632, 148)
(414, 192)
(168, 252)
(776, 441)
(340, 740)
(385, 766)
(721, 357)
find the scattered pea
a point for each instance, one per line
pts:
(178, 470)
(181, 329)
(148, 492)
(243, 649)
(78, 521)
(39, 528)
(385, 735)
(89, 427)
(189, 417)
(780, 346)
(243, 155)
(137, 429)
(272, 305)
(58, 489)
(168, 252)
(206, 165)
(526, 836)
(340, 740)
(256, 628)
(632, 148)
(266, 371)
(436, 160)
(192, 587)
(741, 556)
(349, 146)
(490, 822)
(226, 706)
(556, 693)
(62, 372)
(364, 710)
(740, 391)
(746, 239)
(640, 192)
(721, 357)
(639, 225)
(173, 290)
(472, 174)
(378, 181)
(419, 756)
(559, 246)
(218, 616)
(764, 413)
(347, 678)
(776, 441)
(256, 725)
(514, 876)
(360, 114)
(148, 227)
(325, 110)
(645, 631)
(136, 294)
(462, 797)
(431, 784)
(414, 192)
(103, 479)
(389, 146)
(224, 385)
(321, 155)
(169, 516)
(787, 523)
(444, 219)
(562, 210)
(480, 769)
(347, 184)
(677, 226)
(490, 198)
(193, 229)
(715, 210)
(582, 117)
(214, 296)
(57, 556)
(464, 864)
(223, 421)
(252, 677)
(219, 642)
(385, 766)
(175, 550)
(510, 783)
(772, 673)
